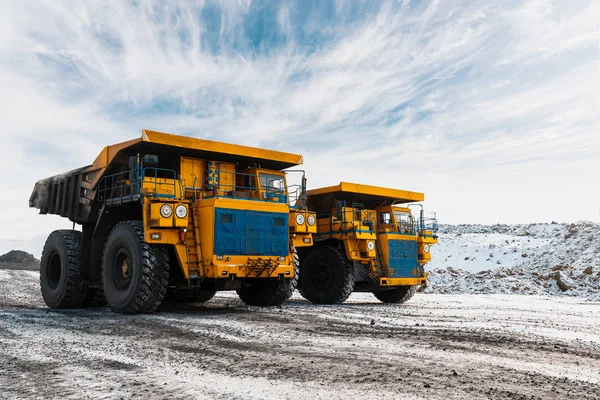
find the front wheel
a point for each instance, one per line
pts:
(401, 294)
(135, 274)
(326, 276)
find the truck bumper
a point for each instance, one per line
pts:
(417, 281)
(249, 271)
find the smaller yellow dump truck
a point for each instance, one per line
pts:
(166, 215)
(366, 241)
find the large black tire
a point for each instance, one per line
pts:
(264, 292)
(192, 295)
(296, 277)
(60, 270)
(270, 292)
(135, 274)
(401, 294)
(203, 295)
(326, 276)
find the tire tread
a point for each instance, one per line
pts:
(347, 284)
(76, 289)
(398, 295)
(154, 281)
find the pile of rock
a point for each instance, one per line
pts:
(531, 246)
(558, 280)
(17, 259)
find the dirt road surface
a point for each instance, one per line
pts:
(434, 347)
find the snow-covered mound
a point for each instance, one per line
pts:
(526, 259)
(477, 248)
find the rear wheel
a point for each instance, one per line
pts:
(326, 276)
(193, 295)
(266, 292)
(401, 294)
(60, 270)
(135, 274)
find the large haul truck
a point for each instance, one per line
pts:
(172, 215)
(366, 241)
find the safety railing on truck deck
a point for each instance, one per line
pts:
(353, 220)
(296, 191)
(119, 188)
(160, 180)
(238, 185)
(125, 186)
(296, 196)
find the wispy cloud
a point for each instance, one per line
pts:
(491, 108)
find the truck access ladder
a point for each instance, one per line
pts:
(192, 244)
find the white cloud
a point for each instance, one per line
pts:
(490, 109)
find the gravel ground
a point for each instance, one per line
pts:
(434, 347)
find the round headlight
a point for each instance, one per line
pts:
(371, 245)
(181, 211)
(311, 220)
(166, 210)
(299, 219)
(426, 248)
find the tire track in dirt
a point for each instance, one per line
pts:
(461, 348)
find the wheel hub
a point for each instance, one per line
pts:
(54, 270)
(322, 276)
(125, 269)
(121, 268)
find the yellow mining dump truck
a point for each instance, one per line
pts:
(365, 242)
(171, 215)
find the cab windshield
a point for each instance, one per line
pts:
(272, 183)
(404, 222)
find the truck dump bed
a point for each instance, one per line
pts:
(71, 194)
(371, 197)
(60, 195)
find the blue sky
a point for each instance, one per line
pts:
(491, 108)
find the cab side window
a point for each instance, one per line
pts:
(385, 218)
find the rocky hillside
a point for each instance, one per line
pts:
(17, 259)
(554, 258)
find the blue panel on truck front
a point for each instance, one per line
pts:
(403, 258)
(252, 233)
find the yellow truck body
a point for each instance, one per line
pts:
(219, 213)
(381, 246)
